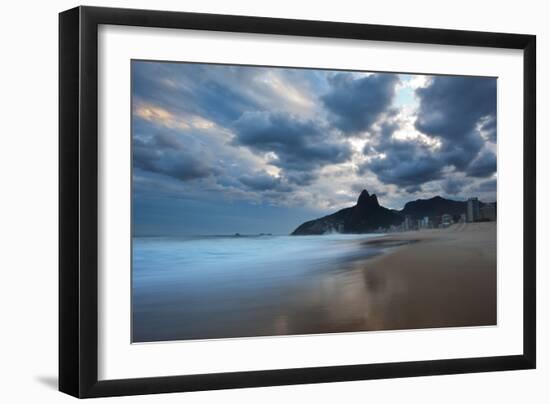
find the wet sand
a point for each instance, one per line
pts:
(424, 279)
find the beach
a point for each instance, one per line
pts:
(292, 285)
(440, 278)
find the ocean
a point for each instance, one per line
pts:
(205, 287)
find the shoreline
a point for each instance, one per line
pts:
(419, 280)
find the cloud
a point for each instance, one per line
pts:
(264, 182)
(221, 93)
(488, 128)
(303, 137)
(296, 144)
(483, 166)
(161, 116)
(412, 189)
(162, 153)
(487, 186)
(301, 178)
(451, 106)
(181, 166)
(387, 128)
(452, 109)
(408, 163)
(454, 186)
(356, 103)
(456, 117)
(215, 92)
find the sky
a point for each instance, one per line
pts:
(224, 149)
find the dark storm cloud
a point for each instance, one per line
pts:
(484, 165)
(163, 154)
(454, 109)
(459, 112)
(356, 103)
(407, 163)
(450, 107)
(411, 163)
(298, 144)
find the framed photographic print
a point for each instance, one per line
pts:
(251, 201)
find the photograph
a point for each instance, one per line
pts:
(273, 201)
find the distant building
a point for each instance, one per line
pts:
(393, 228)
(462, 218)
(408, 224)
(424, 223)
(472, 210)
(488, 212)
(446, 220)
(435, 222)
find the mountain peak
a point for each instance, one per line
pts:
(363, 196)
(367, 215)
(365, 199)
(435, 206)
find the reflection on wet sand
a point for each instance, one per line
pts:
(426, 279)
(445, 279)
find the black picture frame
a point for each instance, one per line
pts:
(78, 201)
